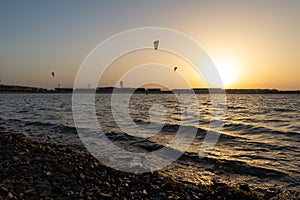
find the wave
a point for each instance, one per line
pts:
(168, 129)
(234, 167)
(60, 128)
(214, 164)
(237, 107)
(251, 129)
(37, 125)
(22, 111)
(267, 147)
(284, 110)
(236, 127)
(289, 133)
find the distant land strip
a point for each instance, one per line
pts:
(109, 90)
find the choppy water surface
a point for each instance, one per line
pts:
(259, 144)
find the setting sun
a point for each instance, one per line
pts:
(227, 70)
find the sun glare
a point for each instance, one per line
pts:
(227, 70)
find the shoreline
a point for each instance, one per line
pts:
(16, 89)
(35, 170)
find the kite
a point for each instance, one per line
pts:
(156, 44)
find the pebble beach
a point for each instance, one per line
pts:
(45, 170)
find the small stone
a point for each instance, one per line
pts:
(245, 187)
(16, 158)
(162, 195)
(29, 191)
(271, 193)
(67, 169)
(44, 184)
(145, 192)
(82, 175)
(4, 189)
(90, 193)
(176, 197)
(105, 195)
(45, 193)
(10, 195)
(188, 197)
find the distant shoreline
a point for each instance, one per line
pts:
(16, 89)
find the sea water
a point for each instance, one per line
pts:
(258, 145)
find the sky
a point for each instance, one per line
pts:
(254, 44)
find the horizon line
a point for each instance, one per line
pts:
(156, 88)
